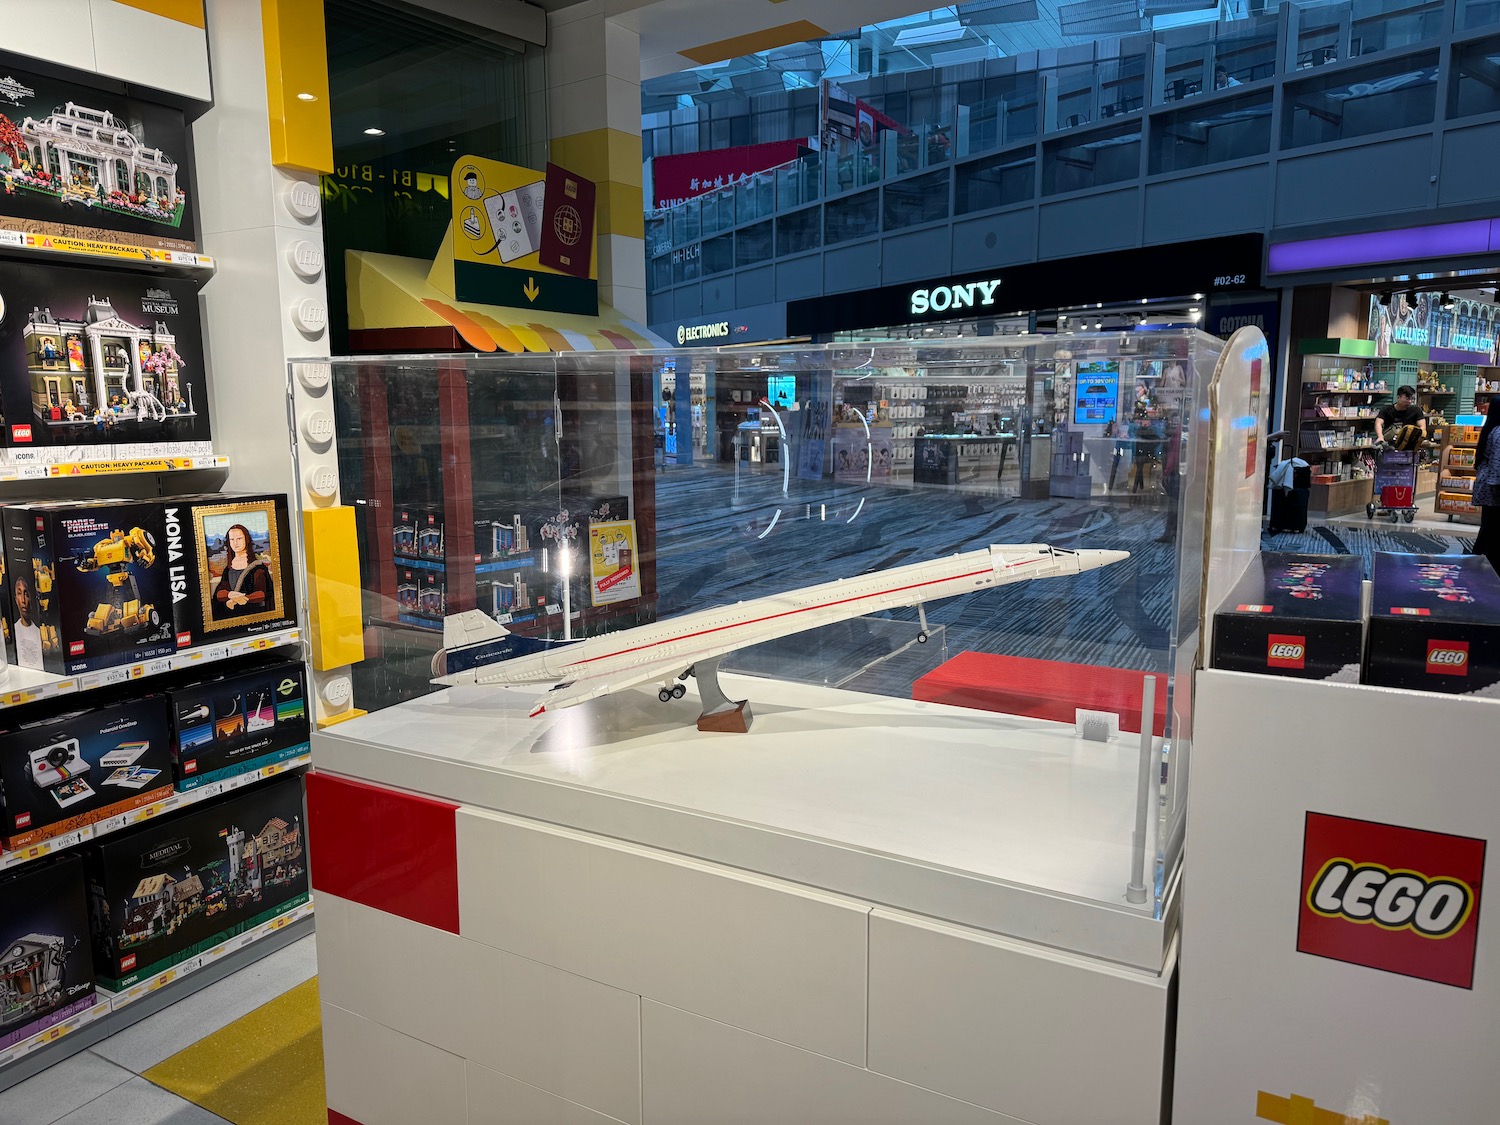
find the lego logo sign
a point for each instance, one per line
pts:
(1284, 651)
(21, 435)
(75, 648)
(1392, 898)
(1448, 658)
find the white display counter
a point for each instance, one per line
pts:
(815, 921)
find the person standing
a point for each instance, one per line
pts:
(1487, 489)
(1404, 412)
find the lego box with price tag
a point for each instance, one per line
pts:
(1293, 615)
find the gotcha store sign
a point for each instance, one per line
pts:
(1399, 899)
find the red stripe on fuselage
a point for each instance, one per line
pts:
(793, 612)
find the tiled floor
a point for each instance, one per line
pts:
(103, 1085)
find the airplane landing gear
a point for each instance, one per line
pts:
(924, 632)
(667, 694)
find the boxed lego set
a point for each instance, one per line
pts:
(231, 571)
(239, 722)
(46, 971)
(1294, 615)
(70, 770)
(1434, 624)
(88, 587)
(177, 886)
(101, 357)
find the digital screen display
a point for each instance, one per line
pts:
(1096, 392)
(781, 390)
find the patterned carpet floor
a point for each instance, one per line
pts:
(718, 543)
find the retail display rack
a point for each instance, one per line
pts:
(44, 246)
(1456, 474)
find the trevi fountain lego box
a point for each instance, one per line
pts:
(180, 885)
(85, 161)
(92, 357)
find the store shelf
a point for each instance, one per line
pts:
(63, 248)
(135, 816)
(112, 1014)
(1323, 389)
(25, 685)
(32, 465)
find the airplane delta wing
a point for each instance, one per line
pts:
(581, 691)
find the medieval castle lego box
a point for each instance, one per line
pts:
(175, 887)
(101, 357)
(46, 972)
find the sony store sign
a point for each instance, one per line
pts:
(716, 330)
(943, 298)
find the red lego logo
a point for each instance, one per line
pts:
(127, 963)
(190, 766)
(1448, 658)
(23, 820)
(1285, 651)
(1399, 899)
(21, 435)
(184, 639)
(75, 648)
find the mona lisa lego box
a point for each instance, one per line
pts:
(229, 560)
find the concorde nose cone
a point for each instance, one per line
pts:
(1093, 560)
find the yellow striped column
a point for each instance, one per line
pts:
(594, 121)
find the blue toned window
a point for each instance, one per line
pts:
(799, 231)
(921, 199)
(1213, 132)
(995, 181)
(1094, 159)
(753, 245)
(1474, 78)
(851, 216)
(1356, 102)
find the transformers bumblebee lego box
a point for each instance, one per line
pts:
(88, 584)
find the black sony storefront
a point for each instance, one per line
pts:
(1219, 268)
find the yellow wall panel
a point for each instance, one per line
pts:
(297, 63)
(619, 210)
(600, 154)
(334, 598)
(183, 11)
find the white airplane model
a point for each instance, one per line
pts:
(479, 651)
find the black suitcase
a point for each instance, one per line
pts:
(1289, 509)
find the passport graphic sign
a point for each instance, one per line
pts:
(567, 229)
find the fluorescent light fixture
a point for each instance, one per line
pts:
(374, 132)
(307, 97)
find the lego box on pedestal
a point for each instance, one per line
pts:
(174, 887)
(75, 769)
(1434, 624)
(230, 568)
(1293, 615)
(88, 589)
(46, 972)
(100, 357)
(238, 722)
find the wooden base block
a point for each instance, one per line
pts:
(734, 719)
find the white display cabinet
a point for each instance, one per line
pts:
(913, 890)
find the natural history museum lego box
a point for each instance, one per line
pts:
(93, 357)
(177, 886)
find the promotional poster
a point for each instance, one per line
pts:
(81, 162)
(95, 357)
(613, 574)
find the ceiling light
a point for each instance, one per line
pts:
(1098, 326)
(1447, 302)
(1197, 296)
(374, 132)
(307, 97)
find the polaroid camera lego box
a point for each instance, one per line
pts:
(101, 357)
(1434, 624)
(1293, 615)
(89, 586)
(177, 886)
(230, 566)
(46, 971)
(239, 722)
(67, 771)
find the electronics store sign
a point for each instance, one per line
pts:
(710, 333)
(1398, 899)
(949, 298)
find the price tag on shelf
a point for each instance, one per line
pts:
(31, 472)
(216, 652)
(12, 238)
(158, 666)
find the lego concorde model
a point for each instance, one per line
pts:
(477, 650)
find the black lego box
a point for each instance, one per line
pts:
(239, 722)
(230, 565)
(177, 886)
(100, 357)
(89, 586)
(46, 971)
(1434, 624)
(70, 770)
(430, 538)
(1293, 615)
(404, 533)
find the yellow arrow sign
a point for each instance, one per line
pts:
(531, 289)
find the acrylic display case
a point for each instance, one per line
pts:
(977, 760)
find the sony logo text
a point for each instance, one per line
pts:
(941, 298)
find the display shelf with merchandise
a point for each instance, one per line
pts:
(12, 859)
(1456, 474)
(26, 685)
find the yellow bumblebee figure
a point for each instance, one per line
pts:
(117, 557)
